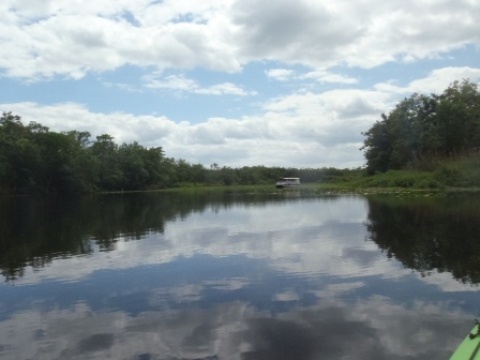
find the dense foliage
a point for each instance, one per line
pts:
(423, 128)
(32, 158)
(35, 159)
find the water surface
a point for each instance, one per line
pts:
(238, 276)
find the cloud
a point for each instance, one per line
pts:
(332, 118)
(436, 81)
(320, 76)
(181, 83)
(60, 38)
(172, 82)
(302, 32)
(280, 74)
(72, 40)
(324, 34)
(224, 89)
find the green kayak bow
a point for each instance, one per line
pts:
(469, 349)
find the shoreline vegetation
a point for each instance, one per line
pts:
(450, 176)
(425, 144)
(460, 174)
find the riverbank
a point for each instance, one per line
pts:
(454, 175)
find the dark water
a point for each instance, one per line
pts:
(238, 276)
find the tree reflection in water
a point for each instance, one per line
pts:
(429, 234)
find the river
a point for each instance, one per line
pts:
(232, 275)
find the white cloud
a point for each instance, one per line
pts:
(171, 82)
(436, 81)
(280, 74)
(58, 39)
(71, 38)
(321, 76)
(183, 84)
(328, 77)
(224, 88)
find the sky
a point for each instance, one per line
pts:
(290, 83)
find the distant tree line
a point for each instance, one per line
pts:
(422, 129)
(34, 159)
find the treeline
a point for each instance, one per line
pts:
(34, 159)
(423, 129)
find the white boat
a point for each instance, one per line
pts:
(287, 182)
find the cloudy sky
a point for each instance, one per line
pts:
(232, 82)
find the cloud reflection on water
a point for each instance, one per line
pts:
(371, 329)
(299, 236)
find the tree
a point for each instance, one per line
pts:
(421, 127)
(153, 160)
(131, 158)
(55, 166)
(378, 147)
(18, 155)
(107, 166)
(459, 118)
(82, 165)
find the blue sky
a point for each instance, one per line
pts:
(232, 82)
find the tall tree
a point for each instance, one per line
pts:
(378, 147)
(421, 126)
(458, 118)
